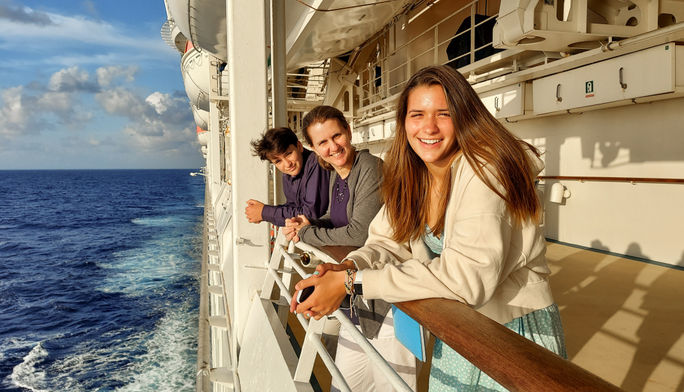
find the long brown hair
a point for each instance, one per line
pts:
(321, 114)
(482, 140)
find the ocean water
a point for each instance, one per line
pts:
(99, 275)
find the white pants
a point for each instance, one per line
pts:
(360, 374)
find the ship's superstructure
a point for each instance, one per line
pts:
(597, 85)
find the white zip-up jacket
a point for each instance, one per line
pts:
(487, 261)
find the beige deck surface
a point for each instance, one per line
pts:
(623, 319)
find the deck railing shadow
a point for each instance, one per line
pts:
(603, 285)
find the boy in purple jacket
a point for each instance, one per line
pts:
(305, 182)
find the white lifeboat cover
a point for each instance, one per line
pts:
(201, 117)
(202, 136)
(195, 71)
(204, 23)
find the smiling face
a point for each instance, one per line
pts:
(291, 161)
(429, 128)
(332, 143)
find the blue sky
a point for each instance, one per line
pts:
(90, 84)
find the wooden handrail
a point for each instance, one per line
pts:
(615, 179)
(513, 361)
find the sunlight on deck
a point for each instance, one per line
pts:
(623, 319)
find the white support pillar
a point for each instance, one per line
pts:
(278, 82)
(214, 152)
(279, 77)
(246, 26)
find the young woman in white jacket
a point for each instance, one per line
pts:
(460, 221)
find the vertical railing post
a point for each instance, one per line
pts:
(307, 357)
(473, 11)
(435, 52)
(408, 63)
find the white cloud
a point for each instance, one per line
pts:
(24, 15)
(122, 102)
(156, 123)
(169, 128)
(159, 101)
(18, 117)
(13, 111)
(72, 79)
(77, 28)
(160, 122)
(106, 75)
(53, 101)
(82, 64)
(39, 108)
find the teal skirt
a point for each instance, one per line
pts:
(451, 372)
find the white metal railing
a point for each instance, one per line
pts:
(312, 345)
(375, 89)
(309, 85)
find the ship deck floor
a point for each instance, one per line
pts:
(623, 319)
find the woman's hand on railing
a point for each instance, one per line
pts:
(290, 233)
(325, 267)
(293, 225)
(328, 292)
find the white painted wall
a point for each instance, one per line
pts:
(641, 140)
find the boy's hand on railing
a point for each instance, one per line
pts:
(327, 296)
(253, 211)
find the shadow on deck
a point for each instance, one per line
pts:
(623, 319)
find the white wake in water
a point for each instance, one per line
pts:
(156, 221)
(169, 358)
(26, 375)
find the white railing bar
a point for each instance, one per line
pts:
(456, 12)
(382, 102)
(468, 31)
(436, 45)
(285, 292)
(404, 64)
(261, 267)
(317, 252)
(432, 48)
(307, 76)
(295, 265)
(315, 339)
(368, 348)
(432, 27)
(329, 362)
(397, 382)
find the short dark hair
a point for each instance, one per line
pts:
(274, 141)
